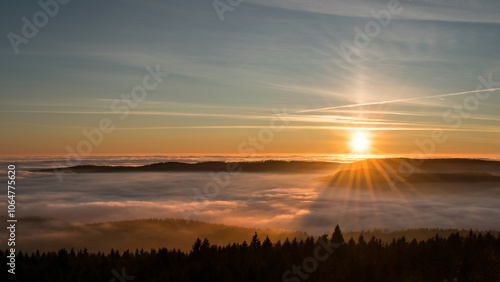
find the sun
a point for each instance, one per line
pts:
(359, 142)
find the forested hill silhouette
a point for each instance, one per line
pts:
(390, 164)
(473, 257)
(260, 166)
(345, 177)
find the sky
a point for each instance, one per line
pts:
(295, 76)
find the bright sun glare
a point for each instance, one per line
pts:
(359, 142)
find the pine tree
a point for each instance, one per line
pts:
(267, 244)
(361, 239)
(205, 245)
(196, 246)
(337, 236)
(255, 244)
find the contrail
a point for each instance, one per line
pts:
(396, 101)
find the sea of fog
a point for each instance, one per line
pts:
(263, 200)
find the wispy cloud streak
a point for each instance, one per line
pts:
(398, 100)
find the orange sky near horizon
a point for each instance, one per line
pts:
(265, 81)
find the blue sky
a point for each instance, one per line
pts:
(226, 77)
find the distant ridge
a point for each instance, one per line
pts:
(391, 165)
(138, 233)
(372, 176)
(259, 166)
